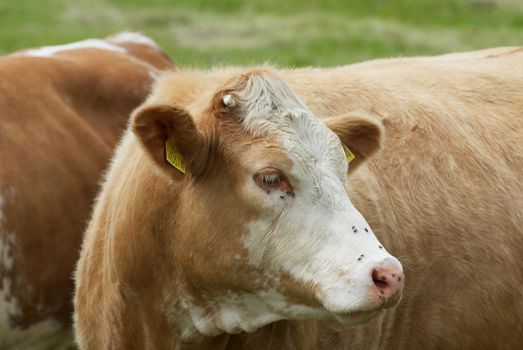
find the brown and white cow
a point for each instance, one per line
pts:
(260, 227)
(62, 109)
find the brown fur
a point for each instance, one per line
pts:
(61, 117)
(444, 195)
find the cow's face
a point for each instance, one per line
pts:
(267, 228)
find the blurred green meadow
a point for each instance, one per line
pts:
(203, 33)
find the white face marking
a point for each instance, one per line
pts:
(84, 44)
(133, 38)
(318, 236)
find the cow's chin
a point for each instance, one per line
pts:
(351, 309)
(356, 318)
(345, 317)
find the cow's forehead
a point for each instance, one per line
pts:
(270, 108)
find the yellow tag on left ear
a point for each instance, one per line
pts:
(348, 153)
(173, 156)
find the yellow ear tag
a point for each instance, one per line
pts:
(348, 153)
(173, 156)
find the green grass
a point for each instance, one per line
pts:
(295, 32)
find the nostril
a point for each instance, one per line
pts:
(380, 281)
(380, 284)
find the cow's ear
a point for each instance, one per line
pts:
(360, 133)
(171, 138)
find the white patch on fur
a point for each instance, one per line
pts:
(48, 51)
(7, 242)
(8, 304)
(311, 235)
(236, 312)
(44, 335)
(133, 38)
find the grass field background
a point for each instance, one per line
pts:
(293, 33)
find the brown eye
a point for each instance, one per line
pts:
(272, 179)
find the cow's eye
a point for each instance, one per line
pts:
(272, 179)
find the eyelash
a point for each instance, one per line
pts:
(270, 179)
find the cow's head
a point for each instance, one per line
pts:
(263, 228)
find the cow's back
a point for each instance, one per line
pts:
(61, 114)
